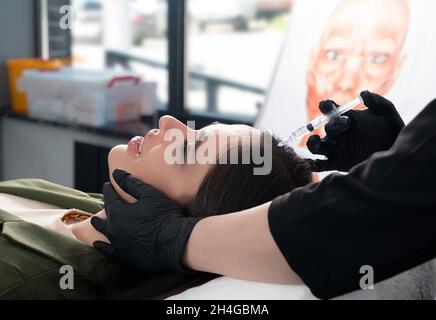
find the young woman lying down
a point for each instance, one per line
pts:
(202, 188)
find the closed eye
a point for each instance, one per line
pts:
(187, 147)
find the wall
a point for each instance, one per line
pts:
(1, 150)
(37, 150)
(17, 39)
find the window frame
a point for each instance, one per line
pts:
(43, 36)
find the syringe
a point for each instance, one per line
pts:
(322, 120)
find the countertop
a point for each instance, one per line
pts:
(122, 130)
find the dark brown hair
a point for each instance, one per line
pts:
(226, 188)
(229, 188)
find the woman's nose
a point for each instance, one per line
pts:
(167, 123)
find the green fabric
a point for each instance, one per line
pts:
(26, 274)
(31, 256)
(50, 193)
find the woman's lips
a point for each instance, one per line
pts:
(133, 147)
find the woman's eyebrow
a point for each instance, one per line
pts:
(200, 135)
(199, 138)
(202, 132)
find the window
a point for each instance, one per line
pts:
(209, 59)
(129, 34)
(232, 48)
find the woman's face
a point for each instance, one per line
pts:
(145, 158)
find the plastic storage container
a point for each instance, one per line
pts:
(15, 69)
(93, 98)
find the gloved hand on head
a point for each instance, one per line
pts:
(357, 135)
(148, 236)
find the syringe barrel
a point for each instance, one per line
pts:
(300, 132)
(324, 119)
(350, 106)
(336, 112)
(318, 122)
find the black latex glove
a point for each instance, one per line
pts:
(148, 236)
(357, 135)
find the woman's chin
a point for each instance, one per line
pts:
(118, 159)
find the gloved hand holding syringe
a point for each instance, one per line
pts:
(323, 120)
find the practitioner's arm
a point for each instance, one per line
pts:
(151, 236)
(239, 245)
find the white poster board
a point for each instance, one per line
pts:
(341, 47)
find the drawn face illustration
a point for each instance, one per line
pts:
(360, 49)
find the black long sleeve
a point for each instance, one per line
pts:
(382, 214)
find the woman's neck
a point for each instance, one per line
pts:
(85, 232)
